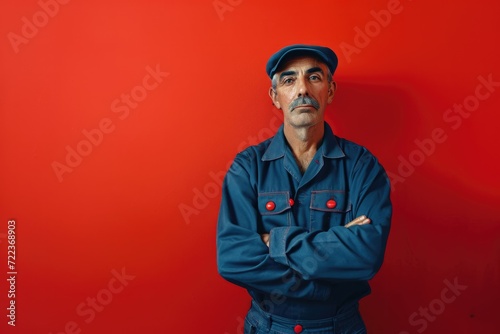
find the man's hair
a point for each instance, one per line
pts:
(274, 80)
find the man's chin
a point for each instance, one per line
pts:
(304, 123)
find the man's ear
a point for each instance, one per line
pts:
(331, 91)
(273, 95)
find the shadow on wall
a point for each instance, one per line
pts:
(373, 115)
(444, 231)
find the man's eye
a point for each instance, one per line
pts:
(288, 81)
(314, 77)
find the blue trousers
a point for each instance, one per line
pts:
(259, 322)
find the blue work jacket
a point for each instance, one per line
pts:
(314, 266)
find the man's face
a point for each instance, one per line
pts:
(303, 91)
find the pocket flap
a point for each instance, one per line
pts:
(330, 200)
(272, 203)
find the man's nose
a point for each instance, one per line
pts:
(302, 88)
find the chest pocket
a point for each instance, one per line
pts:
(274, 208)
(329, 208)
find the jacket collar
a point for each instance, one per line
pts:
(330, 147)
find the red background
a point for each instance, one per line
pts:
(133, 203)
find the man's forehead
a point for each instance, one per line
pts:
(302, 62)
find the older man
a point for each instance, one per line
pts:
(305, 215)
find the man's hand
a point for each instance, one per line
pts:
(361, 220)
(265, 238)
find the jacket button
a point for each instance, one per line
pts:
(330, 204)
(298, 329)
(270, 206)
(291, 201)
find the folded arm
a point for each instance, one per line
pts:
(242, 257)
(340, 253)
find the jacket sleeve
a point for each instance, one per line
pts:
(242, 257)
(340, 253)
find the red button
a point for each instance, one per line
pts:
(331, 204)
(270, 206)
(298, 329)
(291, 202)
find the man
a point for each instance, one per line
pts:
(305, 215)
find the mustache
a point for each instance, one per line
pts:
(304, 100)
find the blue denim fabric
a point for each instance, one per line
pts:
(314, 266)
(259, 322)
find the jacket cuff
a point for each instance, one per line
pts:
(277, 244)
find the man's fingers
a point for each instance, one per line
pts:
(361, 220)
(265, 238)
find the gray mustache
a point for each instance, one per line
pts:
(305, 100)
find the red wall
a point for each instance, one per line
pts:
(118, 120)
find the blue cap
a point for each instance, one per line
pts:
(323, 53)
